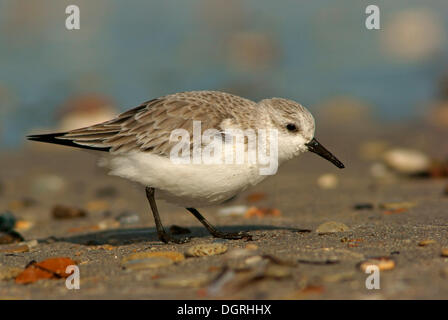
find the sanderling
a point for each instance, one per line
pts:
(139, 147)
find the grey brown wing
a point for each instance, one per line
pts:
(146, 128)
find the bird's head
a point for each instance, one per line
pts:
(295, 126)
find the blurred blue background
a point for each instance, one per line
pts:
(127, 52)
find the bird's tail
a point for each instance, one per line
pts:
(58, 138)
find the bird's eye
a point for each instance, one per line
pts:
(291, 127)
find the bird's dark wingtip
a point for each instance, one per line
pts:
(49, 137)
(54, 139)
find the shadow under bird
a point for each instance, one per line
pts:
(137, 145)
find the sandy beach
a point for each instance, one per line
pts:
(398, 220)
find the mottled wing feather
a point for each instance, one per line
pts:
(148, 127)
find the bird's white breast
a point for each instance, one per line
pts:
(187, 185)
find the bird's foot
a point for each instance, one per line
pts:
(233, 235)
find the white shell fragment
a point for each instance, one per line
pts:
(407, 161)
(233, 211)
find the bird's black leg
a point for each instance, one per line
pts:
(216, 233)
(162, 234)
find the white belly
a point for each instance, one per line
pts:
(186, 185)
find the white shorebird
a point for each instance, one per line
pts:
(139, 146)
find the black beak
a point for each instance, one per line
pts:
(316, 147)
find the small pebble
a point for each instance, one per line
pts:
(15, 249)
(363, 206)
(7, 221)
(424, 243)
(262, 212)
(383, 264)
(328, 181)
(64, 212)
(233, 211)
(108, 224)
(206, 250)
(23, 225)
(127, 218)
(331, 227)
(31, 243)
(397, 205)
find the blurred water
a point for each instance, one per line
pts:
(132, 51)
